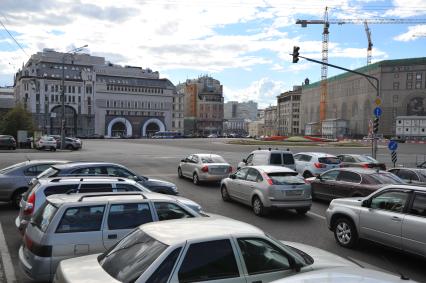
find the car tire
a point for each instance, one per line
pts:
(41, 148)
(345, 232)
(225, 194)
(307, 174)
(70, 147)
(195, 179)
(180, 175)
(52, 149)
(16, 197)
(258, 208)
(302, 211)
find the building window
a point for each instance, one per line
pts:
(46, 87)
(409, 76)
(56, 88)
(107, 103)
(418, 76)
(73, 99)
(409, 85)
(419, 84)
(396, 75)
(79, 99)
(396, 85)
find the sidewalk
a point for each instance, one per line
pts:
(7, 272)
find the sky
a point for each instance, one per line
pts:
(245, 44)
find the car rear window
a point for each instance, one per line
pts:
(286, 178)
(43, 216)
(131, 256)
(329, 160)
(288, 158)
(276, 159)
(386, 178)
(212, 159)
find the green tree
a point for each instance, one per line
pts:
(17, 118)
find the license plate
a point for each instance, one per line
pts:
(294, 193)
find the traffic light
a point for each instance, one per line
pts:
(376, 125)
(295, 54)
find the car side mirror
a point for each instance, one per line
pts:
(232, 176)
(183, 160)
(245, 160)
(365, 203)
(320, 178)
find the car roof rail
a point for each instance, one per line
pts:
(90, 195)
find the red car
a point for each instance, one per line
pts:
(358, 160)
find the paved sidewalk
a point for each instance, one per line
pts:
(7, 272)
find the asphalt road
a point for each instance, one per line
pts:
(159, 159)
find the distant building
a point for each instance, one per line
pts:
(260, 114)
(270, 121)
(203, 106)
(243, 110)
(334, 128)
(7, 99)
(288, 111)
(411, 127)
(256, 128)
(178, 113)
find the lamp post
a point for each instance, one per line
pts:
(72, 51)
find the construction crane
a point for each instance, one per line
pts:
(326, 23)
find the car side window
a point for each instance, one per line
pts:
(119, 172)
(252, 175)
(407, 175)
(249, 159)
(81, 219)
(261, 256)
(419, 205)
(347, 176)
(276, 159)
(205, 261)
(162, 274)
(126, 188)
(296, 157)
(392, 201)
(241, 174)
(95, 188)
(169, 211)
(330, 175)
(195, 159)
(31, 171)
(60, 189)
(90, 171)
(305, 157)
(128, 215)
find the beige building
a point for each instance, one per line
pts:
(256, 128)
(351, 97)
(271, 121)
(178, 112)
(288, 111)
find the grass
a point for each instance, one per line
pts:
(294, 143)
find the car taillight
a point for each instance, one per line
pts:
(267, 179)
(230, 169)
(37, 249)
(205, 169)
(29, 206)
(319, 165)
(28, 242)
(367, 165)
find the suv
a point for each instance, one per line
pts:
(310, 164)
(276, 157)
(7, 142)
(74, 225)
(33, 199)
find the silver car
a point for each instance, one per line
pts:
(394, 216)
(74, 225)
(310, 164)
(204, 167)
(268, 187)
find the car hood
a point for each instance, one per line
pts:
(82, 269)
(322, 259)
(355, 201)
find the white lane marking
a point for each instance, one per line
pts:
(7, 260)
(316, 215)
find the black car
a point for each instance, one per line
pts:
(7, 142)
(109, 169)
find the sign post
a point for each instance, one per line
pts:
(393, 146)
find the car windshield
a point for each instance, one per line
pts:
(386, 178)
(43, 216)
(366, 158)
(286, 178)
(329, 160)
(13, 167)
(212, 159)
(298, 255)
(130, 257)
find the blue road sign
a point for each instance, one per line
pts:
(392, 145)
(377, 111)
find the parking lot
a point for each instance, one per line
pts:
(159, 159)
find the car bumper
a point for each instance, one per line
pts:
(328, 215)
(212, 178)
(305, 203)
(36, 268)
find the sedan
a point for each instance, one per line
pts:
(358, 160)
(204, 167)
(413, 176)
(203, 249)
(350, 182)
(268, 187)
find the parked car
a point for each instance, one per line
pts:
(359, 160)
(351, 274)
(110, 169)
(14, 179)
(422, 165)
(202, 167)
(394, 216)
(310, 164)
(351, 182)
(203, 249)
(71, 143)
(269, 156)
(268, 187)
(413, 176)
(212, 136)
(33, 199)
(75, 225)
(46, 142)
(7, 142)
(398, 139)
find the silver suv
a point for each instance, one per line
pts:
(33, 199)
(394, 216)
(68, 226)
(310, 164)
(276, 157)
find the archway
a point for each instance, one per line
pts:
(152, 126)
(119, 127)
(70, 125)
(118, 130)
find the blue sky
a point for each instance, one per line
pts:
(243, 43)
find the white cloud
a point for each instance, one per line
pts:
(406, 8)
(413, 33)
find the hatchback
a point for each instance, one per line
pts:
(268, 187)
(7, 142)
(46, 142)
(310, 164)
(74, 225)
(202, 249)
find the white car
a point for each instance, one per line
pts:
(46, 142)
(310, 164)
(204, 249)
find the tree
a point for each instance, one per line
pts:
(17, 118)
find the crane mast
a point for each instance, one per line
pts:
(370, 44)
(324, 68)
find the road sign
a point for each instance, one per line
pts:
(377, 111)
(394, 158)
(392, 145)
(378, 101)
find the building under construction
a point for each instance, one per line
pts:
(351, 97)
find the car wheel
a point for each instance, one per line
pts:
(258, 207)
(16, 198)
(195, 179)
(52, 149)
(225, 194)
(41, 148)
(302, 210)
(307, 174)
(180, 175)
(345, 233)
(70, 147)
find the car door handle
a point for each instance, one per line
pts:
(396, 218)
(112, 236)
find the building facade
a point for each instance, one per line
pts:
(99, 97)
(288, 111)
(178, 113)
(203, 106)
(351, 97)
(7, 99)
(270, 126)
(237, 115)
(411, 127)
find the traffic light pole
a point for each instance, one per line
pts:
(369, 78)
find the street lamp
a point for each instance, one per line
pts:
(70, 52)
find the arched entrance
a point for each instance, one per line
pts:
(119, 127)
(152, 126)
(70, 125)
